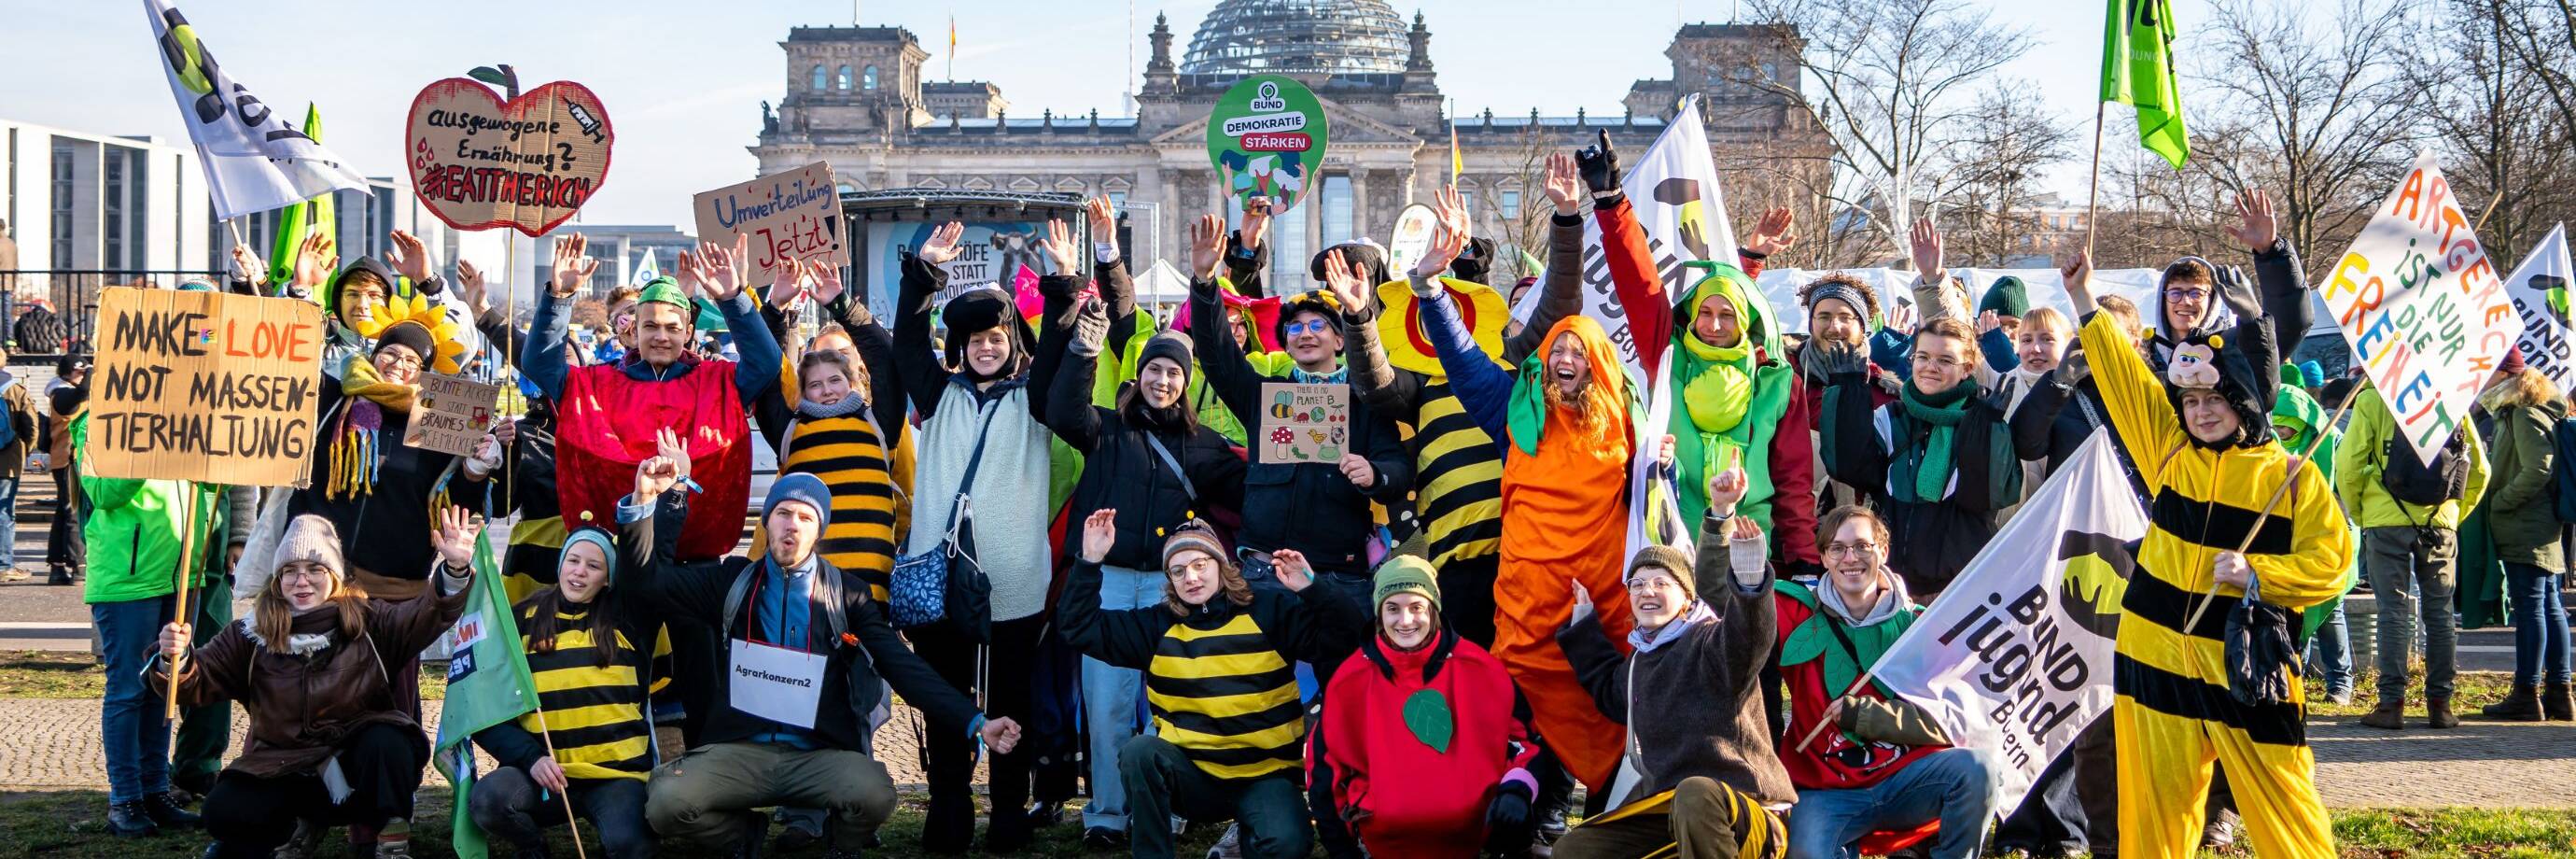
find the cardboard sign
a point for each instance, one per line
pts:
(527, 164)
(451, 414)
(205, 386)
(2427, 316)
(794, 215)
(1303, 423)
(1267, 133)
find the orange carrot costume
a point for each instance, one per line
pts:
(1565, 519)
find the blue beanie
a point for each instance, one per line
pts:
(804, 489)
(596, 536)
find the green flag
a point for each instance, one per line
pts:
(487, 684)
(299, 220)
(2137, 70)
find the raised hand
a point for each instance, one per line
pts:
(1256, 222)
(1900, 318)
(942, 244)
(691, 270)
(1924, 243)
(408, 255)
(470, 286)
(725, 275)
(1090, 327)
(1292, 569)
(1726, 488)
(315, 261)
(1989, 320)
(790, 284)
(2260, 227)
(455, 537)
(1599, 164)
(1564, 184)
(1207, 246)
(1099, 533)
(1743, 528)
(1774, 233)
(2077, 274)
(1104, 220)
(573, 265)
(1448, 238)
(1582, 603)
(1348, 283)
(1059, 248)
(247, 267)
(827, 281)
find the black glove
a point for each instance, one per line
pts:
(1836, 360)
(2073, 369)
(2230, 283)
(1599, 165)
(1507, 821)
(1090, 328)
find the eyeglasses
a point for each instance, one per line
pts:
(1653, 583)
(1201, 566)
(1944, 361)
(306, 575)
(1837, 550)
(410, 361)
(2187, 295)
(1314, 326)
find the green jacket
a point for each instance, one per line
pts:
(2519, 515)
(133, 529)
(2364, 456)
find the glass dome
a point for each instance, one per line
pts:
(1312, 36)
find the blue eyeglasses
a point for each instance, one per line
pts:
(1317, 326)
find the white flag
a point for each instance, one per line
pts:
(2422, 308)
(2547, 343)
(647, 270)
(254, 160)
(2015, 657)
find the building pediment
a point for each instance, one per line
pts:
(1348, 127)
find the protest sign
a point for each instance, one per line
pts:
(204, 386)
(1673, 189)
(479, 162)
(451, 414)
(1267, 135)
(2539, 295)
(1303, 423)
(1412, 237)
(2425, 313)
(2015, 657)
(254, 159)
(1408, 347)
(790, 216)
(988, 254)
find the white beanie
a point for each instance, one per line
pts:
(311, 538)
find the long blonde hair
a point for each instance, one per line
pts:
(274, 619)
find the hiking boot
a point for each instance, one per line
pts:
(58, 574)
(2437, 714)
(2557, 703)
(129, 820)
(165, 812)
(2391, 716)
(2520, 705)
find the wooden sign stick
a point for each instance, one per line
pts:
(2277, 494)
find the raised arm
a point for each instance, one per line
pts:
(916, 361)
(1247, 251)
(1484, 390)
(1055, 322)
(1069, 411)
(1598, 665)
(1221, 360)
(2276, 270)
(1735, 581)
(1561, 290)
(1386, 390)
(543, 358)
(1125, 639)
(2134, 400)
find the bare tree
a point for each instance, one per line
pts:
(2505, 144)
(1993, 174)
(1893, 79)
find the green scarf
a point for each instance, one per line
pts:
(1942, 411)
(1723, 402)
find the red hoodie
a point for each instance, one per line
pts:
(1434, 802)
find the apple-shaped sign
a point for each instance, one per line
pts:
(528, 163)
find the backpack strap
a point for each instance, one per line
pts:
(1173, 463)
(734, 596)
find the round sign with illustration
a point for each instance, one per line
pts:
(1413, 228)
(1266, 136)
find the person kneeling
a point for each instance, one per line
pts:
(311, 667)
(1709, 784)
(805, 682)
(582, 644)
(1426, 744)
(1216, 656)
(1884, 766)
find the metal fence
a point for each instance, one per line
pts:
(73, 294)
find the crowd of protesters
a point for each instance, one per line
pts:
(1046, 536)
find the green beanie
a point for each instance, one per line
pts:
(2007, 297)
(1403, 574)
(663, 290)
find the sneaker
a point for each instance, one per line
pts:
(800, 831)
(165, 811)
(392, 841)
(2220, 833)
(13, 574)
(1103, 838)
(129, 820)
(1226, 846)
(1045, 814)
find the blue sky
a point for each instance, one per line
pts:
(683, 80)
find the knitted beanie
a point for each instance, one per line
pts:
(411, 335)
(1192, 537)
(1169, 344)
(1406, 574)
(596, 536)
(800, 488)
(1672, 560)
(2007, 297)
(312, 538)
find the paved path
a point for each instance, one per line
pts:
(53, 745)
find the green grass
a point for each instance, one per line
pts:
(2471, 690)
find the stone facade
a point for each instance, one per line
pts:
(857, 99)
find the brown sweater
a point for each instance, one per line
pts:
(1701, 714)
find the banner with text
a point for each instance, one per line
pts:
(204, 386)
(528, 163)
(451, 414)
(2015, 657)
(987, 256)
(1303, 423)
(254, 159)
(2422, 307)
(790, 216)
(1673, 188)
(2539, 290)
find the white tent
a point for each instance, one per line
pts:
(1161, 286)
